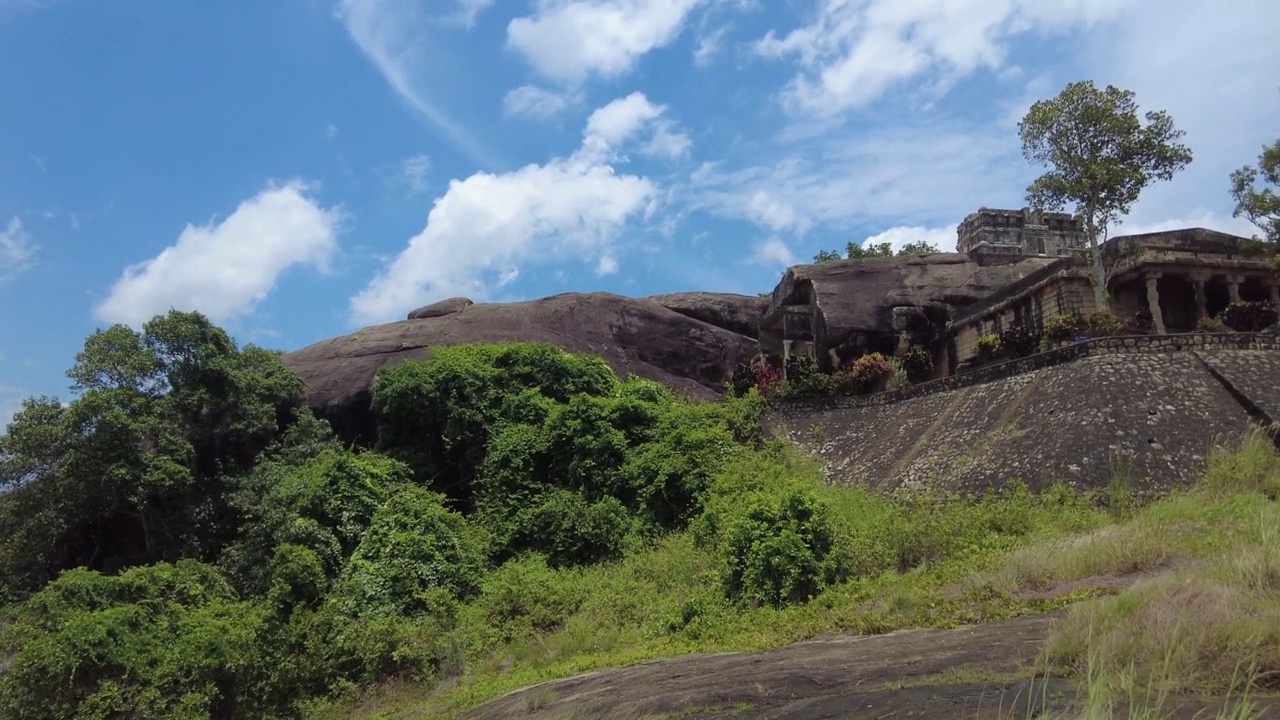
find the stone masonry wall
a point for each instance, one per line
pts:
(1148, 407)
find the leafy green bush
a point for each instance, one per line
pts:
(804, 379)
(521, 599)
(989, 346)
(918, 364)
(1061, 327)
(1249, 316)
(415, 558)
(1212, 325)
(1019, 341)
(1103, 323)
(868, 373)
(781, 550)
(157, 641)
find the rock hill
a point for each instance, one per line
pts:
(690, 342)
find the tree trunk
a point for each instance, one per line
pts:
(1099, 275)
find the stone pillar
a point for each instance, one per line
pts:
(1233, 287)
(1153, 301)
(1198, 279)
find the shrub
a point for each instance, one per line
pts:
(781, 550)
(742, 380)
(805, 379)
(1212, 325)
(1103, 323)
(1143, 320)
(989, 346)
(415, 556)
(569, 530)
(868, 372)
(1019, 341)
(1249, 316)
(768, 378)
(918, 364)
(1061, 327)
(898, 380)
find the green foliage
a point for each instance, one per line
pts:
(875, 251)
(138, 468)
(780, 551)
(1061, 327)
(1020, 341)
(989, 346)
(1249, 316)
(1103, 323)
(438, 416)
(520, 600)
(415, 558)
(804, 379)
(868, 372)
(157, 641)
(918, 364)
(1260, 205)
(1212, 325)
(1101, 157)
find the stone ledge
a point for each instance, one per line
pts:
(1058, 356)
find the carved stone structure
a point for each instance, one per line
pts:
(1015, 268)
(1025, 232)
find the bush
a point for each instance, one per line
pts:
(781, 550)
(1103, 323)
(1019, 341)
(989, 346)
(415, 558)
(1212, 325)
(156, 641)
(918, 364)
(768, 378)
(1249, 316)
(804, 379)
(898, 380)
(867, 373)
(742, 380)
(1061, 327)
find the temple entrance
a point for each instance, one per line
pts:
(1216, 296)
(1177, 303)
(1254, 290)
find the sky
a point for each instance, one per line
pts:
(298, 169)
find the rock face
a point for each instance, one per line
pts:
(635, 336)
(738, 313)
(442, 308)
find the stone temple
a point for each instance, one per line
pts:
(1013, 268)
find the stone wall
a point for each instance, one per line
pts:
(1149, 407)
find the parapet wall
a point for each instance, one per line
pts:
(1149, 407)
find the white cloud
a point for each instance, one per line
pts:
(468, 11)
(773, 251)
(567, 40)
(943, 238)
(224, 270)
(17, 250)
(709, 46)
(856, 50)
(414, 172)
(614, 124)
(331, 131)
(535, 102)
(392, 34)
(767, 211)
(484, 228)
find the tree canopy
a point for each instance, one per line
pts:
(873, 251)
(1100, 157)
(1261, 205)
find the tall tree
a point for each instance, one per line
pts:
(1101, 157)
(1261, 206)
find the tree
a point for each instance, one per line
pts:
(1101, 158)
(1261, 206)
(874, 251)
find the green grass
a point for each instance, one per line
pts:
(1202, 616)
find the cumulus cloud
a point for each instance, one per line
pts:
(534, 102)
(393, 35)
(567, 40)
(225, 270)
(610, 126)
(17, 250)
(486, 227)
(855, 50)
(773, 251)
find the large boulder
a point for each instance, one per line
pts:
(634, 336)
(738, 313)
(448, 306)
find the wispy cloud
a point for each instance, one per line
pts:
(535, 102)
(17, 250)
(393, 35)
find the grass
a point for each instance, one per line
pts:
(1177, 598)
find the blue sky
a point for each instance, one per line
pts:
(299, 168)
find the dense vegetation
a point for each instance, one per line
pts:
(184, 539)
